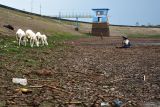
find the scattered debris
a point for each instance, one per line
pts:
(76, 28)
(105, 104)
(20, 81)
(144, 77)
(44, 72)
(24, 90)
(117, 103)
(76, 75)
(9, 26)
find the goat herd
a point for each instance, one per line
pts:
(29, 35)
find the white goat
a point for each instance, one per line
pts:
(39, 37)
(32, 36)
(42, 38)
(21, 37)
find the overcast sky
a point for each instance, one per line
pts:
(126, 12)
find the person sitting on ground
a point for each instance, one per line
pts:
(126, 43)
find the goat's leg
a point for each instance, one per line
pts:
(20, 41)
(31, 42)
(42, 42)
(46, 43)
(37, 43)
(25, 39)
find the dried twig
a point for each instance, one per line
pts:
(59, 89)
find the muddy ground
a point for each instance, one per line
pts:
(88, 70)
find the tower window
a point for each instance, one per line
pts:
(99, 13)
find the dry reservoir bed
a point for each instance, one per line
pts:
(83, 72)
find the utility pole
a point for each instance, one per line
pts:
(77, 24)
(40, 8)
(31, 6)
(59, 16)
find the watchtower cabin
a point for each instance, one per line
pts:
(100, 25)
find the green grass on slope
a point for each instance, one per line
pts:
(21, 59)
(10, 45)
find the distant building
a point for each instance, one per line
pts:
(100, 25)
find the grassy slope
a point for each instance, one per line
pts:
(144, 36)
(53, 27)
(14, 57)
(25, 21)
(135, 32)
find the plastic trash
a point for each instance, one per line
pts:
(25, 91)
(105, 104)
(21, 81)
(118, 103)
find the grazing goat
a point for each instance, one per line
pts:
(21, 37)
(42, 38)
(32, 36)
(39, 37)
